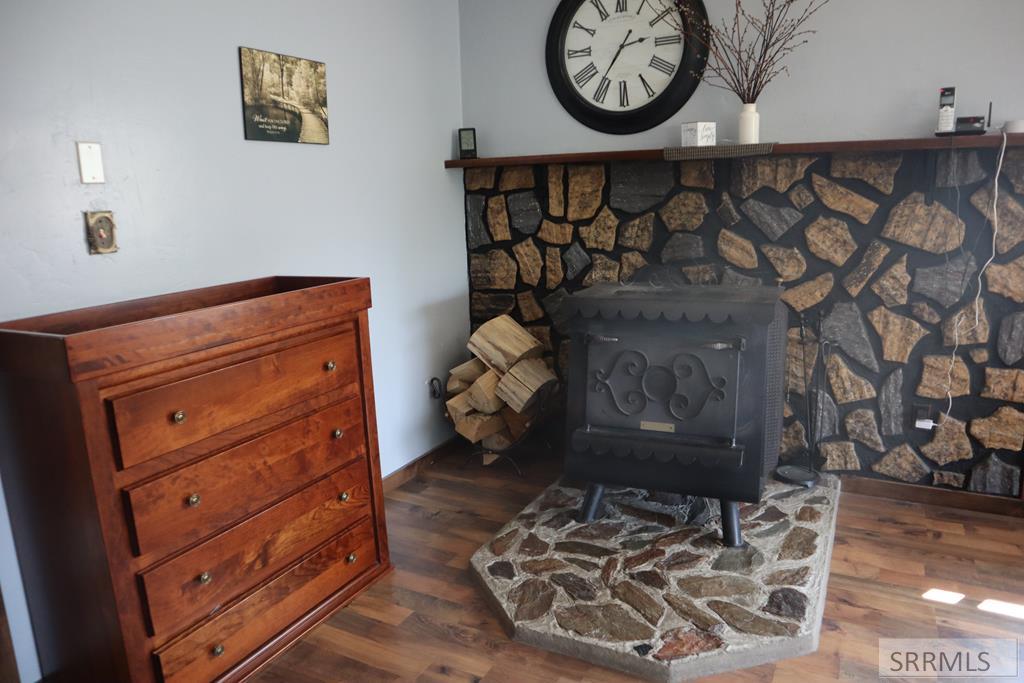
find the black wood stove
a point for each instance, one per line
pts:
(676, 388)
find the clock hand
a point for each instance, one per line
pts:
(617, 53)
(634, 42)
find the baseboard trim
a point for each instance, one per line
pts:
(930, 495)
(412, 469)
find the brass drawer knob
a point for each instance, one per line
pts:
(343, 496)
(351, 558)
(329, 366)
(179, 417)
(204, 578)
(337, 434)
(217, 650)
(194, 500)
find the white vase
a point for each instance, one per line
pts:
(750, 125)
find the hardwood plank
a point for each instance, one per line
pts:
(380, 608)
(932, 495)
(428, 622)
(440, 672)
(310, 666)
(411, 470)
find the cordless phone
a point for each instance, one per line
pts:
(947, 111)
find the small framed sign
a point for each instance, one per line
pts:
(467, 143)
(699, 134)
(284, 98)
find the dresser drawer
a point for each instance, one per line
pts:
(230, 636)
(156, 421)
(193, 502)
(197, 583)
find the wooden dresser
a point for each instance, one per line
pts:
(192, 479)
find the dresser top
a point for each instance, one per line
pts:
(103, 339)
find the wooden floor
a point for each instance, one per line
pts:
(428, 622)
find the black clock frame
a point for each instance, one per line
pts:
(679, 91)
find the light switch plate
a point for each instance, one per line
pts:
(90, 162)
(100, 232)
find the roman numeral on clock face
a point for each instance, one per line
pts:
(623, 94)
(660, 17)
(664, 66)
(668, 40)
(583, 76)
(602, 90)
(621, 5)
(647, 86)
(581, 27)
(585, 52)
(600, 9)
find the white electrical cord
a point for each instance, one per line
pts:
(977, 296)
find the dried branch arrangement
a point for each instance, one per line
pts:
(748, 52)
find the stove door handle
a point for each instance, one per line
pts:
(739, 344)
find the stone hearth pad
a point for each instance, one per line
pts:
(641, 591)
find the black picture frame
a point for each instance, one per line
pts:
(688, 76)
(467, 151)
(284, 98)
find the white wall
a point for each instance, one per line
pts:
(158, 85)
(873, 71)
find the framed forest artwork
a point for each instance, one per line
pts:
(284, 99)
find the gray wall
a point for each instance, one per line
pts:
(157, 84)
(873, 71)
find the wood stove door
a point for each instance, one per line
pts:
(666, 383)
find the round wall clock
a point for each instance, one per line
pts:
(622, 66)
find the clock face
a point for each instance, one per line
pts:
(622, 66)
(621, 56)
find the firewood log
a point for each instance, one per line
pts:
(522, 385)
(459, 407)
(502, 342)
(456, 386)
(469, 371)
(477, 426)
(483, 395)
(499, 441)
(517, 424)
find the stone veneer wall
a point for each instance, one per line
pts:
(885, 247)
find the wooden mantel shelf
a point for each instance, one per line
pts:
(898, 145)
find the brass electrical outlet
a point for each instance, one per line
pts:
(100, 232)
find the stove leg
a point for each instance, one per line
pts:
(591, 507)
(732, 537)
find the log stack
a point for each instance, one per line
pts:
(494, 397)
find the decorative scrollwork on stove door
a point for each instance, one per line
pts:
(685, 388)
(628, 367)
(695, 387)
